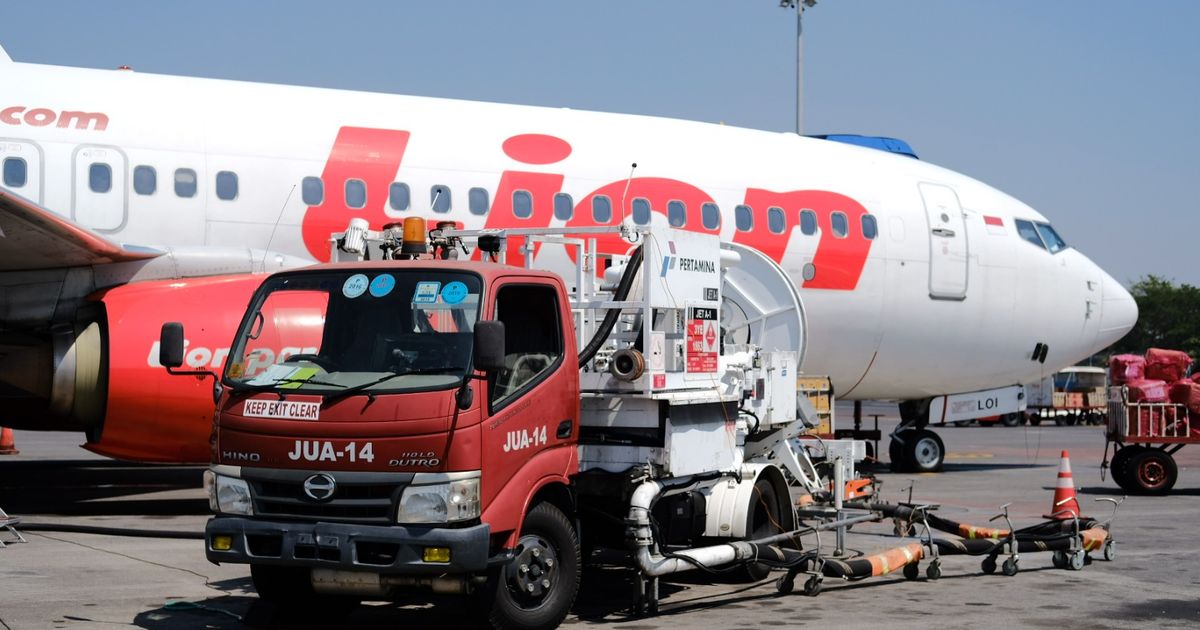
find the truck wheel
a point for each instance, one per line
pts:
(1152, 471)
(1011, 419)
(924, 451)
(537, 589)
(1034, 419)
(763, 519)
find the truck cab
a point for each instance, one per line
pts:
(354, 422)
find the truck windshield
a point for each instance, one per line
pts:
(351, 331)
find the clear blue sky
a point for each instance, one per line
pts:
(1086, 110)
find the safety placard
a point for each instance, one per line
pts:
(287, 409)
(702, 339)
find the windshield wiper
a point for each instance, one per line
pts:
(361, 386)
(241, 387)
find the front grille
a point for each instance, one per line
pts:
(369, 500)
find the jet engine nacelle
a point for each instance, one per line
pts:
(100, 374)
(151, 415)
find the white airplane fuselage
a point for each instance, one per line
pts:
(947, 297)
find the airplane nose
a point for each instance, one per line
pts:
(1118, 313)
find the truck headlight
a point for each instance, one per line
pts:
(228, 495)
(440, 498)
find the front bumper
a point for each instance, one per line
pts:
(398, 548)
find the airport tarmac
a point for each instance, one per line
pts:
(76, 580)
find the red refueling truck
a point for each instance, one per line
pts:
(408, 418)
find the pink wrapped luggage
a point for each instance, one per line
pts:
(1123, 368)
(1147, 390)
(1186, 393)
(1166, 365)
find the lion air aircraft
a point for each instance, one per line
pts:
(132, 199)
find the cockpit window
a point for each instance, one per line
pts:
(1028, 232)
(1053, 241)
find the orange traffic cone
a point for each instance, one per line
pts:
(7, 445)
(1065, 504)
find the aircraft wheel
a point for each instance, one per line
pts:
(925, 451)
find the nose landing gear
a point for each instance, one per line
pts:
(913, 447)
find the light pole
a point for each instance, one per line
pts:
(799, 5)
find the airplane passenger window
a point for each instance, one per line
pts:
(439, 198)
(870, 228)
(564, 207)
(808, 222)
(185, 182)
(775, 220)
(601, 209)
(841, 227)
(1026, 231)
(16, 172)
(356, 193)
(398, 196)
(1053, 241)
(145, 180)
(710, 216)
(100, 177)
(227, 185)
(477, 201)
(641, 211)
(312, 191)
(676, 213)
(522, 204)
(743, 218)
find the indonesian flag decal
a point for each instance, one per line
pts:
(995, 225)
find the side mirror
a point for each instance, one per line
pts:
(489, 345)
(170, 345)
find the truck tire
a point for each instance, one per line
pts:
(1034, 419)
(924, 451)
(548, 554)
(1011, 419)
(762, 520)
(1152, 471)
